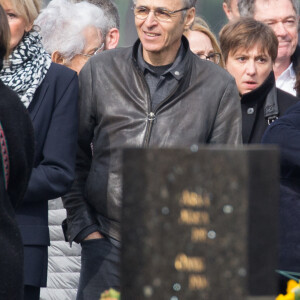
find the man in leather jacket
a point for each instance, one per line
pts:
(154, 94)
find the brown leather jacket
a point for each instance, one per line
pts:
(115, 112)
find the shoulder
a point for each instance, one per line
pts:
(285, 100)
(208, 75)
(290, 116)
(57, 69)
(208, 71)
(5, 90)
(59, 74)
(108, 58)
(57, 80)
(294, 110)
(9, 100)
(117, 53)
(107, 65)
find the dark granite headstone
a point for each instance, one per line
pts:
(199, 224)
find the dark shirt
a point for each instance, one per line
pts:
(162, 80)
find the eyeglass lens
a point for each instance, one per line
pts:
(161, 14)
(214, 57)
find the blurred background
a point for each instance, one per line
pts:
(210, 10)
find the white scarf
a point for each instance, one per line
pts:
(26, 67)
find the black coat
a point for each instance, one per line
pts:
(20, 143)
(286, 133)
(254, 108)
(54, 115)
(296, 60)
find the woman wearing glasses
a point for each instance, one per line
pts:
(203, 42)
(49, 92)
(73, 32)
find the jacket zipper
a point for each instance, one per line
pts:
(151, 115)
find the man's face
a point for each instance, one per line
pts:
(231, 11)
(282, 18)
(250, 68)
(160, 38)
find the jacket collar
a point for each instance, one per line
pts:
(258, 95)
(184, 62)
(265, 94)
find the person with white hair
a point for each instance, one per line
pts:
(73, 32)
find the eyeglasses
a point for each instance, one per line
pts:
(98, 50)
(214, 57)
(161, 14)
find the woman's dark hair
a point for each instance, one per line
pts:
(4, 36)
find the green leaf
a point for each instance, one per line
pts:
(297, 294)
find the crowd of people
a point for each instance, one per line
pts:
(71, 100)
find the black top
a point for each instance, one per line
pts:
(162, 80)
(19, 138)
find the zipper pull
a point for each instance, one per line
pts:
(151, 116)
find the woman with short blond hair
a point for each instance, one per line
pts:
(49, 92)
(203, 42)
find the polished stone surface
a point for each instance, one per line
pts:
(199, 223)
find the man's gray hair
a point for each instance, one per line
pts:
(61, 25)
(110, 9)
(189, 3)
(247, 7)
(186, 3)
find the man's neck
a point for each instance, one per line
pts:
(160, 58)
(280, 66)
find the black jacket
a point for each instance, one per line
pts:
(115, 112)
(285, 132)
(19, 138)
(265, 102)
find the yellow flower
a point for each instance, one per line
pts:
(290, 296)
(292, 285)
(293, 291)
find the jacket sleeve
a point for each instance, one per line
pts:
(79, 213)
(228, 122)
(53, 176)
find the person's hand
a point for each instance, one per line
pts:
(94, 236)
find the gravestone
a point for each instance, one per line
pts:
(199, 223)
